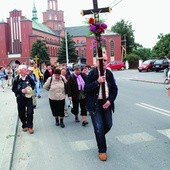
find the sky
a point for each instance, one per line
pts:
(148, 18)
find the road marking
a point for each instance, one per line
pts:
(135, 138)
(155, 109)
(165, 132)
(83, 145)
(124, 139)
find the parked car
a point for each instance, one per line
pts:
(161, 64)
(147, 65)
(116, 65)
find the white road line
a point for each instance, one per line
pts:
(124, 139)
(165, 132)
(135, 138)
(83, 145)
(155, 109)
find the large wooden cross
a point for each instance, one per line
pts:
(95, 11)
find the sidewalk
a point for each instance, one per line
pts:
(150, 77)
(8, 125)
(9, 114)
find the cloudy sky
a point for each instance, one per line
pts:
(149, 18)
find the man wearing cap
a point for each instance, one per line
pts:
(22, 87)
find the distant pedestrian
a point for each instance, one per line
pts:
(100, 110)
(38, 75)
(32, 75)
(48, 72)
(85, 70)
(67, 101)
(22, 87)
(2, 78)
(56, 87)
(9, 73)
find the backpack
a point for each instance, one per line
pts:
(65, 84)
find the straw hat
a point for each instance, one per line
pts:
(29, 92)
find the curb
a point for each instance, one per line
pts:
(13, 146)
(148, 81)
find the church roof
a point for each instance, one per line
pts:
(42, 27)
(78, 31)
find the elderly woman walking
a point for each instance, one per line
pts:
(56, 87)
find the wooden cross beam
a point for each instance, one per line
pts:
(95, 11)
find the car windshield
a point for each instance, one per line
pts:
(158, 62)
(147, 62)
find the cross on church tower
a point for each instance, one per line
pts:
(95, 11)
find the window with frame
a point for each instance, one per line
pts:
(111, 48)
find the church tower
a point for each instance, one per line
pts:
(34, 13)
(53, 17)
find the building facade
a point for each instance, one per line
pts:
(19, 33)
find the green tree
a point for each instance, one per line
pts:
(162, 47)
(124, 28)
(143, 53)
(40, 50)
(72, 56)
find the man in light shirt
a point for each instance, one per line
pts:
(100, 109)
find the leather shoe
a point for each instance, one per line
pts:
(31, 130)
(77, 119)
(57, 123)
(84, 123)
(62, 125)
(24, 129)
(103, 156)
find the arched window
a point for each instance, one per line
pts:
(49, 17)
(111, 48)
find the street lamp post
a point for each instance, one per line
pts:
(67, 60)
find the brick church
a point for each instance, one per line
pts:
(18, 34)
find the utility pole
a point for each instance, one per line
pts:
(67, 60)
(124, 47)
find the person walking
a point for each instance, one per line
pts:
(67, 101)
(32, 75)
(48, 72)
(2, 78)
(38, 75)
(9, 73)
(56, 87)
(101, 111)
(22, 87)
(76, 94)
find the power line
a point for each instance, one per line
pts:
(114, 3)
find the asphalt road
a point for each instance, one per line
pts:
(139, 139)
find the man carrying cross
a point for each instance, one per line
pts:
(101, 89)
